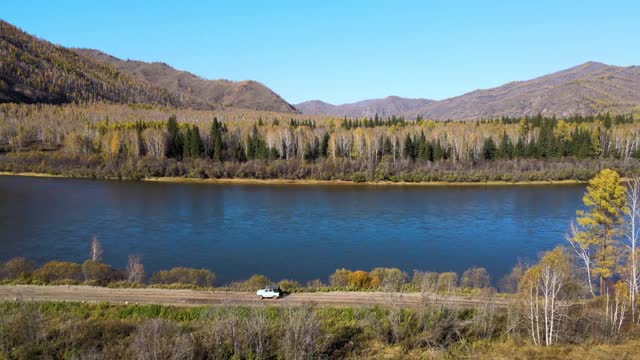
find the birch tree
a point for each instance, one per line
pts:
(583, 249)
(96, 250)
(543, 297)
(135, 269)
(632, 234)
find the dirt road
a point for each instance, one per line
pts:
(202, 298)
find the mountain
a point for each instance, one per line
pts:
(35, 71)
(388, 106)
(195, 90)
(585, 89)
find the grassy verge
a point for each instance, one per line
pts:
(77, 330)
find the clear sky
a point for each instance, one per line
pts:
(347, 50)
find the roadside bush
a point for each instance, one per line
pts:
(183, 275)
(359, 280)
(314, 285)
(340, 278)
(289, 285)
(475, 278)
(161, 339)
(425, 281)
(58, 271)
(16, 268)
(254, 283)
(96, 271)
(447, 281)
(388, 279)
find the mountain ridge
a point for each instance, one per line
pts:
(34, 70)
(585, 89)
(195, 89)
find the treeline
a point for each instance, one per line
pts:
(97, 167)
(394, 149)
(428, 141)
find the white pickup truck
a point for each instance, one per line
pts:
(272, 292)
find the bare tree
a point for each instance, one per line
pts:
(632, 234)
(617, 307)
(584, 253)
(543, 297)
(96, 250)
(155, 140)
(135, 269)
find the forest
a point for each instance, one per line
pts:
(135, 142)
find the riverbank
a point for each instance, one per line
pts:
(238, 181)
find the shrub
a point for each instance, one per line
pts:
(425, 281)
(359, 280)
(476, 278)
(254, 283)
(388, 279)
(288, 285)
(58, 271)
(96, 271)
(447, 281)
(183, 275)
(16, 268)
(340, 278)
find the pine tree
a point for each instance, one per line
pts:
(174, 139)
(489, 149)
(215, 136)
(324, 145)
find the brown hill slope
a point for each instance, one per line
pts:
(35, 71)
(585, 89)
(195, 90)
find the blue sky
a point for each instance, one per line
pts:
(344, 51)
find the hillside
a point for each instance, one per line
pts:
(388, 106)
(586, 89)
(195, 90)
(35, 71)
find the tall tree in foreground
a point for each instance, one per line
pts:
(543, 297)
(601, 222)
(584, 250)
(632, 234)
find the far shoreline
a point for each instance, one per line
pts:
(309, 182)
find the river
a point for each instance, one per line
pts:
(298, 232)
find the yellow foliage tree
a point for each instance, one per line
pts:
(601, 222)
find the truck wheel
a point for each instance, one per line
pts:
(261, 297)
(276, 297)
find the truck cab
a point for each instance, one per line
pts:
(270, 292)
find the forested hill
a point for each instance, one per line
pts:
(35, 71)
(196, 90)
(586, 89)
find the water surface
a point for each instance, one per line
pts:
(283, 231)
